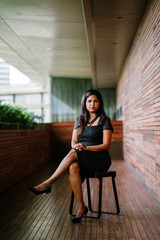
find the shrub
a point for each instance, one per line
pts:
(14, 117)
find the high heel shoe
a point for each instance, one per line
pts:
(78, 219)
(33, 190)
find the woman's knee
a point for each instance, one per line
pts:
(73, 153)
(74, 168)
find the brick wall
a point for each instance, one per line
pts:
(138, 91)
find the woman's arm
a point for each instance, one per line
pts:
(107, 135)
(74, 138)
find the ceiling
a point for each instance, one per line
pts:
(73, 38)
(111, 27)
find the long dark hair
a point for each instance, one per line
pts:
(82, 120)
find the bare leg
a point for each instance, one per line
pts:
(63, 166)
(76, 185)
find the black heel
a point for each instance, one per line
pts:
(36, 192)
(77, 220)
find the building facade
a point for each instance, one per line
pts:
(4, 73)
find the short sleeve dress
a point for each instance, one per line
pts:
(91, 162)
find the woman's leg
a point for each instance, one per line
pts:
(76, 185)
(63, 166)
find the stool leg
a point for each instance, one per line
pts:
(71, 204)
(100, 198)
(115, 194)
(89, 195)
(99, 202)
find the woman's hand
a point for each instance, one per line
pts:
(80, 146)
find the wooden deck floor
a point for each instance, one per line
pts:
(25, 216)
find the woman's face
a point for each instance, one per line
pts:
(92, 104)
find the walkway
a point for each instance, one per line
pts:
(25, 216)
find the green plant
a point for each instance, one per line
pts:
(13, 117)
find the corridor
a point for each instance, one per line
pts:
(25, 216)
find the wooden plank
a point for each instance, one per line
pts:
(26, 216)
(62, 131)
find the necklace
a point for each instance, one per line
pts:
(93, 120)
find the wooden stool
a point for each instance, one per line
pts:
(100, 176)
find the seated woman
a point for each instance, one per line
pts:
(91, 139)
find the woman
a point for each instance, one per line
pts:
(91, 139)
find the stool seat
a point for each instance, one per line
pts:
(99, 176)
(105, 174)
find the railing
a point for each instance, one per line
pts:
(22, 151)
(62, 131)
(61, 134)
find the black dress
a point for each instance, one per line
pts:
(91, 162)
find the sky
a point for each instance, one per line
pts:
(17, 77)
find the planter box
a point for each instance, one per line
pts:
(21, 152)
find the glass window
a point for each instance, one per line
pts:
(28, 98)
(7, 99)
(36, 111)
(46, 113)
(46, 98)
